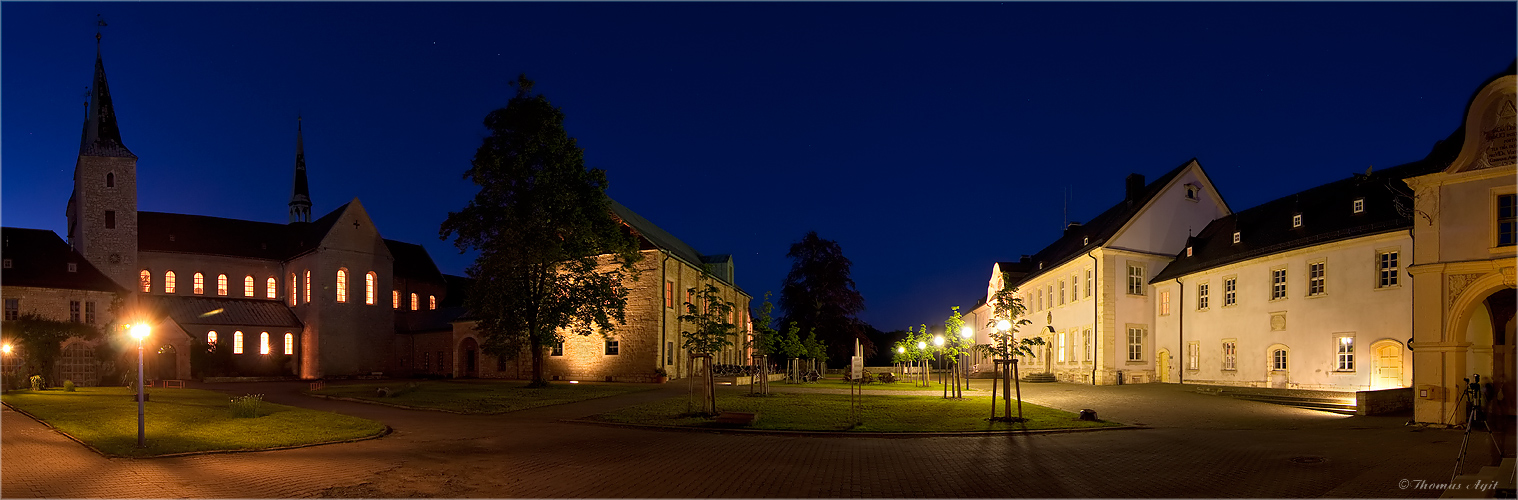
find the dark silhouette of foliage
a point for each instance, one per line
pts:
(818, 295)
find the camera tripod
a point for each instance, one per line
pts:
(1474, 401)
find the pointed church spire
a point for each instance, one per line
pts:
(101, 136)
(300, 199)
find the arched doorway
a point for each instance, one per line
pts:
(1500, 306)
(470, 351)
(166, 365)
(1388, 364)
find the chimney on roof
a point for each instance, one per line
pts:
(1135, 185)
(1072, 226)
(1026, 258)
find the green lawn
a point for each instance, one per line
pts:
(899, 385)
(830, 412)
(480, 396)
(182, 420)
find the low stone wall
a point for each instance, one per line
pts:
(746, 380)
(1383, 401)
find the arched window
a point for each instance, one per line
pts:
(293, 284)
(342, 285)
(273, 285)
(1278, 360)
(146, 278)
(306, 296)
(221, 284)
(395, 299)
(211, 338)
(199, 284)
(413, 302)
(110, 179)
(289, 343)
(247, 286)
(431, 302)
(369, 288)
(263, 343)
(168, 282)
(237, 342)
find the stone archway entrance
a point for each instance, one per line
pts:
(469, 351)
(166, 364)
(1500, 306)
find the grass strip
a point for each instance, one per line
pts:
(830, 412)
(841, 384)
(479, 397)
(182, 421)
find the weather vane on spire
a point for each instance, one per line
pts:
(99, 22)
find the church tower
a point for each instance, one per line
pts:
(102, 211)
(300, 200)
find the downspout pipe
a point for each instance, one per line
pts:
(1096, 327)
(1180, 330)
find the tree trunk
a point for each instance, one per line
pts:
(1019, 383)
(995, 374)
(537, 364)
(711, 388)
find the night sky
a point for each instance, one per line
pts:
(928, 139)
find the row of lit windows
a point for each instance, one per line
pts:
(1344, 355)
(263, 342)
(271, 286)
(1317, 283)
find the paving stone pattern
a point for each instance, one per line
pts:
(1197, 446)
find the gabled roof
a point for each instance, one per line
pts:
(412, 262)
(201, 234)
(1078, 240)
(1327, 216)
(196, 310)
(663, 240)
(39, 258)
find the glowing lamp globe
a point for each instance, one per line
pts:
(966, 332)
(141, 330)
(1004, 325)
(938, 340)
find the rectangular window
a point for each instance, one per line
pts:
(1359, 205)
(74, 311)
(669, 353)
(1050, 293)
(1075, 288)
(12, 309)
(1277, 284)
(110, 219)
(1346, 353)
(426, 361)
(1090, 282)
(395, 299)
(1230, 356)
(1386, 272)
(1135, 344)
(1296, 220)
(89, 313)
(1193, 355)
(1087, 342)
(1040, 293)
(557, 349)
(1061, 354)
(1135, 280)
(1278, 360)
(306, 296)
(612, 347)
(1235, 236)
(1201, 296)
(1165, 303)
(1061, 292)
(1507, 220)
(442, 364)
(293, 294)
(1230, 287)
(1316, 281)
(669, 295)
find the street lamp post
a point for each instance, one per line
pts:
(962, 361)
(6, 363)
(140, 331)
(938, 353)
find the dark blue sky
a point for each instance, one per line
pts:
(929, 139)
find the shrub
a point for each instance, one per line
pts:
(888, 378)
(36, 382)
(868, 378)
(68, 386)
(247, 406)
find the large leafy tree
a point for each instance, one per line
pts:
(552, 255)
(818, 295)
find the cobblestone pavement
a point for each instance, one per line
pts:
(1197, 446)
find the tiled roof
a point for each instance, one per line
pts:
(661, 238)
(412, 262)
(428, 321)
(39, 258)
(201, 234)
(1078, 240)
(194, 310)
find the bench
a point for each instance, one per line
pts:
(736, 418)
(318, 385)
(173, 384)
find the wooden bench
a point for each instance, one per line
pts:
(173, 384)
(736, 418)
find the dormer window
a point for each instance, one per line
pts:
(1359, 205)
(1188, 251)
(1040, 264)
(1296, 220)
(1191, 191)
(73, 268)
(1086, 240)
(1235, 236)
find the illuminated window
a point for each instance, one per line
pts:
(414, 302)
(293, 291)
(431, 302)
(369, 288)
(1230, 355)
(198, 283)
(669, 294)
(306, 295)
(342, 285)
(1346, 354)
(221, 284)
(1061, 354)
(1193, 355)
(1165, 303)
(168, 282)
(145, 279)
(271, 287)
(263, 343)
(395, 299)
(247, 286)
(211, 338)
(237, 342)
(289, 343)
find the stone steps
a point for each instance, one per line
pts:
(1039, 378)
(1320, 404)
